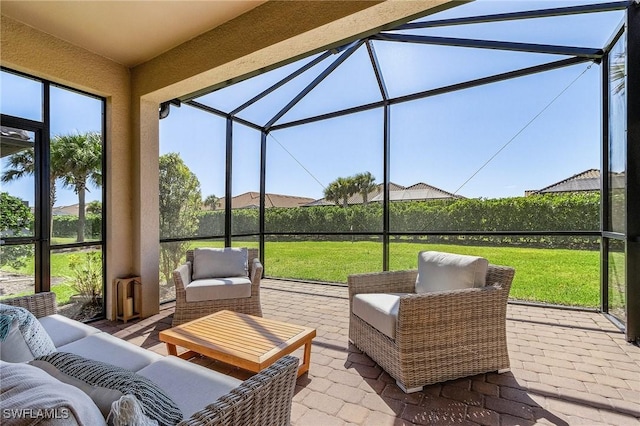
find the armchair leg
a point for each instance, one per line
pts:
(409, 390)
(504, 370)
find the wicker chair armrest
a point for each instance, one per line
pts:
(382, 282)
(256, 269)
(182, 276)
(456, 312)
(39, 304)
(263, 399)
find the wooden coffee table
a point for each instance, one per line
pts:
(242, 340)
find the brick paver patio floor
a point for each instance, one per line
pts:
(567, 368)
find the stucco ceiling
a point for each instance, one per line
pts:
(128, 32)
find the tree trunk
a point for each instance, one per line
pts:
(52, 201)
(81, 207)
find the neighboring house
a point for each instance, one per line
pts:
(251, 200)
(13, 140)
(587, 181)
(71, 210)
(417, 192)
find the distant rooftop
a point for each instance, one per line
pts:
(416, 192)
(587, 181)
(251, 200)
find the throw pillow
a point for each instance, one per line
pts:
(102, 397)
(22, 337)
(29, 396)
(220, 263)
(445, 271)
(156, 404)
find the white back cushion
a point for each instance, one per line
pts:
(220, 263)
(439, 271)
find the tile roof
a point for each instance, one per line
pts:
(589, 180)
(418, 191)
(251, 200)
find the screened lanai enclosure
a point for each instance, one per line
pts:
(502, 129)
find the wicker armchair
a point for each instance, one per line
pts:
(438, 336)
(187, 311)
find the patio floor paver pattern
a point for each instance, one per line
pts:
(567, 367)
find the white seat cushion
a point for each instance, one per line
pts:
(439, 271)
(379, 310)
(191, 386)
(218, 288)
(63, 330)
(112, 350)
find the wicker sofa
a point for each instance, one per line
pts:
(204, 396)
(438, 336)
(190, 310)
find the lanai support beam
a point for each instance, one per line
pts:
(500, 17)
(585, 52)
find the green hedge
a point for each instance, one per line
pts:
(551, 212)
(67, 226)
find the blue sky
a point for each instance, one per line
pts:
(71, 112)
(441, 140)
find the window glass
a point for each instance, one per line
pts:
(192, 174)
(77, 281)
(245, 205)
(483, 160)
(17, 270)
(329, 174)
(17, 174)
(617, 138)
(617, 280)
(20, 96)
(76, 150)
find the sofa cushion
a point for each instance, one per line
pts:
(220, 263)
(191, 386)
(218, 288)
(101, 396)
(63, 330)
(156, 404)
(439, 271)
(13, 347)
(22, 337)
(379, 310)
(106, 348)
(30, 390)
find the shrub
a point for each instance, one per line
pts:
(87, 274)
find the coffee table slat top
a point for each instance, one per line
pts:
(240, 339)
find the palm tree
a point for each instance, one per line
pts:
(80, 157)
(211, 201)
(23, 164)
(94, 207)
(365, 183)
(340, 190)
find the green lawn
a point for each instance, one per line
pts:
(59, 269)
(565, 277)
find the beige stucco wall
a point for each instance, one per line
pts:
(264, 37)
(28, 50)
